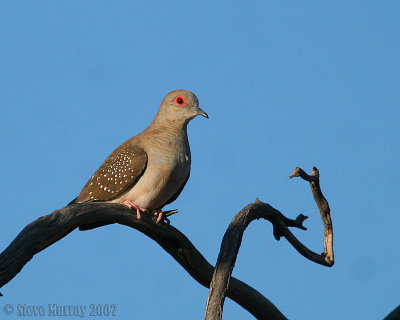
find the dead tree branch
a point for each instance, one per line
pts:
(48, 229)
(394, 315)
(233, 238)
(324, 210)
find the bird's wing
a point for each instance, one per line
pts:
(120, 171)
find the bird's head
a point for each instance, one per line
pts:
(180, 106)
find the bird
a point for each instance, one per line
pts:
(149, 170)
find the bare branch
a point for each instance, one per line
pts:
(394, 315)
(233, 238)
(324, 210)
(46, 230)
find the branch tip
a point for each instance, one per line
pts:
(295, 173)
(299, 221)
(170, 212)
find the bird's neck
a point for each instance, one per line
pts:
(167, 132)
(168, 127)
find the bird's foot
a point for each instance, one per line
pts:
(159, 214)
(139, 210)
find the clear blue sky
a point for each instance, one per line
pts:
(285, 84)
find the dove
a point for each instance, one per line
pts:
(149, 170)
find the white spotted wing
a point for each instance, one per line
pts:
(119, 172)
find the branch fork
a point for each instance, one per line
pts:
(233, 237)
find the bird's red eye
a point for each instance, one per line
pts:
(181, 101)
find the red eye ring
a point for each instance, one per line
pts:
(180, 101)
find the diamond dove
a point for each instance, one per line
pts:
(149, 170)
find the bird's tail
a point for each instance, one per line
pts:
(72, 202)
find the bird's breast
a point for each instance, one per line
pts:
(164, 175)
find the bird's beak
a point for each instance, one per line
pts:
(201, 113)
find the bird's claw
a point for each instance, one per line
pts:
(158, 214)
(161, 216)
(139, 210)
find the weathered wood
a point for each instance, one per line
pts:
(48, 229)
(394, 315)
(233, 238)
(324, 210)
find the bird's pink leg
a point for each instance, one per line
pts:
(160, 215)
(139, 210)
